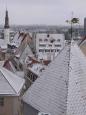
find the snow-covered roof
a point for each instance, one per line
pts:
(20, 73)
(16, 40)
(13, 43)
(20, 37)
(76, 101)
(61, 89)
(2, 63)
(9, 64)
(37, 68)
(10, 84)
(27, 52)
(50, 88)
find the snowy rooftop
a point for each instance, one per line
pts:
(10, 84)
(37, 68)
(27, 52)
(61, 89)
(2, 63)
(20, 73)
(10, 65)
(19, 38)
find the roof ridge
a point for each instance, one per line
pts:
(57, 56)
(23, 50)
(68, 73)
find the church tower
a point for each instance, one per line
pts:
(6, 28)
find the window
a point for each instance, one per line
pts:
(40, 40)
(52, 40)
(47, 50)
(45, 40)
(42, 45)
(58, 40)
(57, 45)
(48, 35)
(50, 45)
(52, 50)
(1, 101)
(58, 50)
(41, 50)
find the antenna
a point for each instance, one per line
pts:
(6, 4)
(72, 14)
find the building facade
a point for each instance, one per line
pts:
(49, 45)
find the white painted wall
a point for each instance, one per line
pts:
(47, 50)
(7, 35)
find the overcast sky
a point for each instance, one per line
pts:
(50, 12)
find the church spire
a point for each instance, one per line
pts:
(6, 20)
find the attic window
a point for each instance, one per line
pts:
(1, 101)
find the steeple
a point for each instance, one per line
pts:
(6, 20)
(6, 28)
